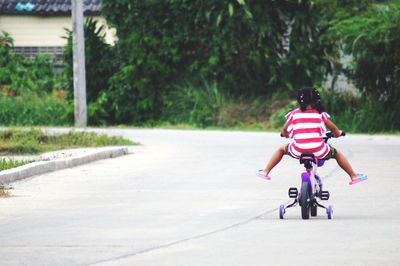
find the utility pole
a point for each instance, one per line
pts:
(78, 43)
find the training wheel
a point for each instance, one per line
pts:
(329, 211)
(281, 211)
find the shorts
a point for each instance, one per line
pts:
(331, 154)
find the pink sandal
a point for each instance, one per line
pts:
(361, 177)
(259, 174)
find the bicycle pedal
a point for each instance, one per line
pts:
(324, 195)
(293, 192)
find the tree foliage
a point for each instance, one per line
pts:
(29, 89)
(23, 75)
(100, 63)
(372, 38)
(246, 47)
(168, 49)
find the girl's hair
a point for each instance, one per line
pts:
(309, 96)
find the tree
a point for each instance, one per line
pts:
(100, 66)
(372, 38)
(237, 44)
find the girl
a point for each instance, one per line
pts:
(306, 127)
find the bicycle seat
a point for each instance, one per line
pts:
(307, 159)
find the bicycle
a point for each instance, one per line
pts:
(311, 188)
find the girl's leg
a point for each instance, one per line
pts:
(275, 159)
(345, 165)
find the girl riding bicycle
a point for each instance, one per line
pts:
(306, 127)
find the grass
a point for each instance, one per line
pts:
(7, 164)
(360, 114)
(206, 106)
(35, 141)
(34, 110)
(197, 105)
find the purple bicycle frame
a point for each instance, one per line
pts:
(305, 176)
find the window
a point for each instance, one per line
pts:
(55, 51)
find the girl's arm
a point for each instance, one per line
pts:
(332, 127)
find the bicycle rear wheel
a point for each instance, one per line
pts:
(305, 200)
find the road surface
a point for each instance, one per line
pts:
(192, 198)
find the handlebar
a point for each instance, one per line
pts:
(329, 135)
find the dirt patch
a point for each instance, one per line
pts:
(4, 193)
(249, 113)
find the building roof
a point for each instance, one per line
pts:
(46, 7)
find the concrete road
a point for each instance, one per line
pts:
(192, 198)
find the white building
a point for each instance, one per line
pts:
(38, 26)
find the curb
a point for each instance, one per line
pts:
(42, 167)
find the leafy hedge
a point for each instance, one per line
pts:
(238, 45)
(30, 110)
(169, 52)
(101, 64)
(196, 62)
(30, 90)
(373, 39)
(19, 75)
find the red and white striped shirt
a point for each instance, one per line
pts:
(306, 129)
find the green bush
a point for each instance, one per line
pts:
(350, 112)
(195, 105)
(29, 89)
(30, 109)
(19, 75)
(239, 45)
(370, 33)
(100, 61)
(360, 114)
(372, 38)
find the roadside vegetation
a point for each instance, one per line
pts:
(218, 63)
(31, 92)
(9, 163)
(36, 141)
(6, 163)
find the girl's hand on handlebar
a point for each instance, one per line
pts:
(339, 133)
(330, 134)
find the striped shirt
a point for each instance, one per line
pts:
(307, 129)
